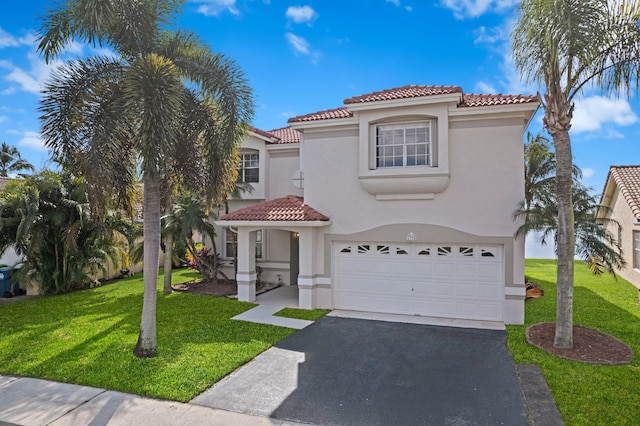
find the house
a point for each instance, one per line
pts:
(621, 196)
(399, 202)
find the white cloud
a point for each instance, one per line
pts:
(32, 140)
(483, 87)
(301, 14)
(31, 80)
(397, 3)
(299, 44)
(216, 7)
(490, 35)
(593, 112)
(8, 40)
(474, 8)
(3, 118)
(587, 173)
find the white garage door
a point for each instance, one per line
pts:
(439, 280)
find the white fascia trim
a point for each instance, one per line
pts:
(287, 147)
(274, 224)
(336, 122)
(495, 109)
(405, 102)
(262, 137)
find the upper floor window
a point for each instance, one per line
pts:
(401, 145)
(249, 170)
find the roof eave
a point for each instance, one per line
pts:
(403, 102)
(263, 224)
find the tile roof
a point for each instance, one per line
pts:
(261, 132)
(404, 92)
(414, 91)
(289, 208)
(474, 100)
(323, 115)
(286, 135)
(627, 179)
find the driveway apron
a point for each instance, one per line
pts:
(342, 371)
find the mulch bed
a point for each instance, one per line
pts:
(215, 287)
(589, 345)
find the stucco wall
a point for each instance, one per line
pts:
(486, 183)
(621, 212)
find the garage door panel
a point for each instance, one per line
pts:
(442, 280)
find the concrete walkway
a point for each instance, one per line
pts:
(34, 402)
(270, 303)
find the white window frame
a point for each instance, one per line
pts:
(636, 250)
(247, 162)
(386, 155)
(260, 246)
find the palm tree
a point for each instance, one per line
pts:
(46, 218)
(566, 45)
(189, 214)
(104, 116)
(597, 246)
(540, 166)
(11, 161)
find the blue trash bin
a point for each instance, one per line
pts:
(6, 286)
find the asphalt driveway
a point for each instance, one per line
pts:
(341, 371)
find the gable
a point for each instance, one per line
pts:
(626, 180)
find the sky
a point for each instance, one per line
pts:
(304, 56)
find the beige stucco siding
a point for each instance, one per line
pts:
(486, 184)
(621, 212)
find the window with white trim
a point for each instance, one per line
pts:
(231, 243)
(636, 249)
(404, 144)
(249, 170)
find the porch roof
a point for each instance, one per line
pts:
(290, 210)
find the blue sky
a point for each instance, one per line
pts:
(305, 56)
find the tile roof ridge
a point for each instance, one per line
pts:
(631, 193)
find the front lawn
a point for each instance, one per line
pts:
(586, 394)
(88, 337)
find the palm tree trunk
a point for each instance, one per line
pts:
(147, 340)
(168, 263)
(566, 240)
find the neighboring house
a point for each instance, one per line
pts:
(621, 195)
(399, 202)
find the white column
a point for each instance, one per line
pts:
(306, 280)
(246, 276)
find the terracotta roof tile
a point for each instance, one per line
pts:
(286, 135)
(414, 91)
(261, 132)
(404, 92)
(473, 100)
(627, 179)
(289, 208)
(323, 115)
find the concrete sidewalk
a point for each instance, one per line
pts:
(34, 402)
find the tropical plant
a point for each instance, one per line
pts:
(46, 218)
(189, 214)
(103, 115)
(595, 245)
(566, 45)
(11, 161)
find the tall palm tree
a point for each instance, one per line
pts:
(103, 115)
(566, 45)
(11, 161)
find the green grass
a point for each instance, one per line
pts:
(87, 338)
(303, 314)
(586, 394)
